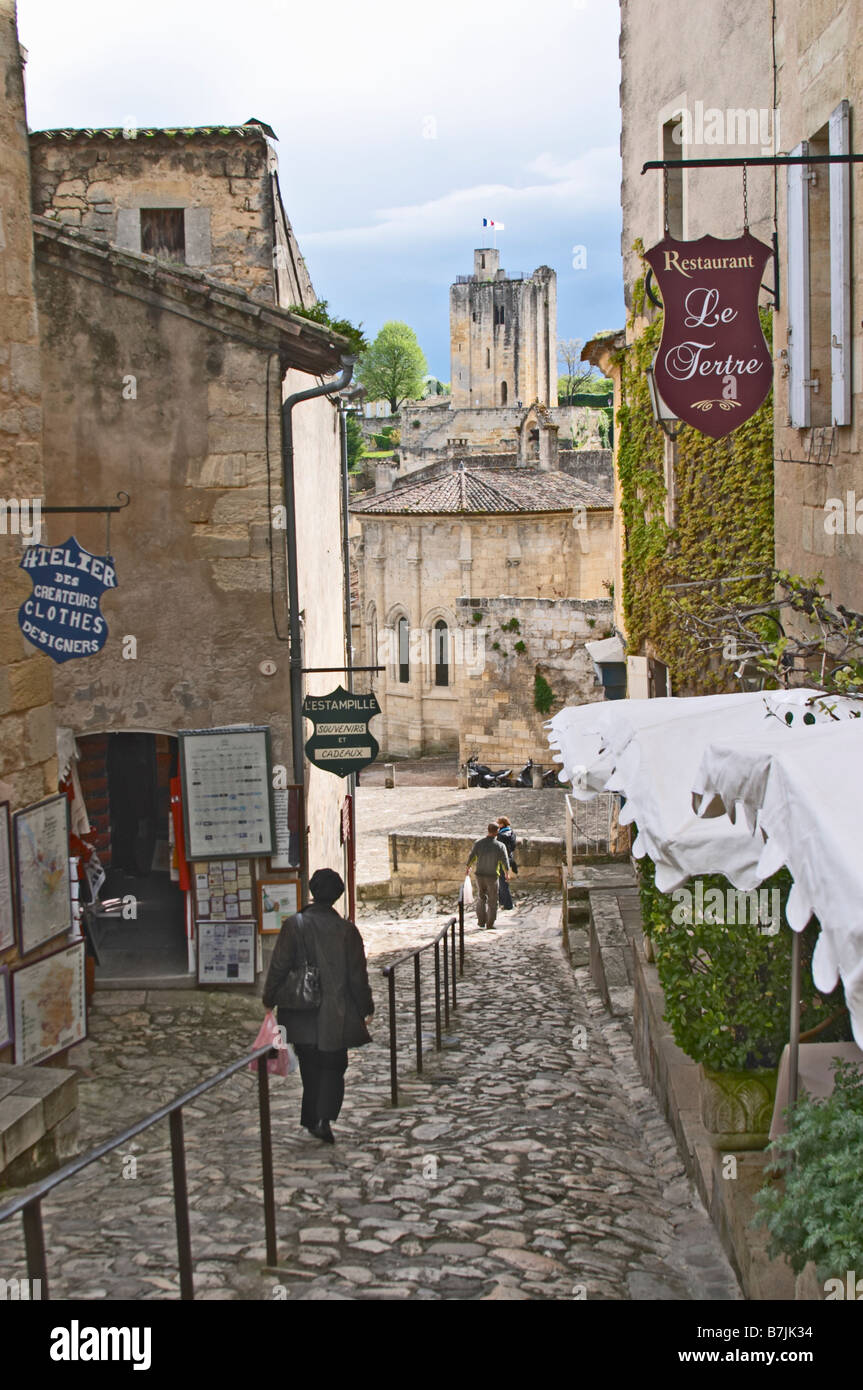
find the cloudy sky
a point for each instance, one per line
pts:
(400, 127)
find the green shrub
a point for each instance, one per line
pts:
(521, 648)
(817, 1213)
(512, 626)
(728, 986)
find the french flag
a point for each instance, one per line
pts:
(488, 222)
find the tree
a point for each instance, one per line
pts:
(576, 372)
(356, 447)
(394, 366)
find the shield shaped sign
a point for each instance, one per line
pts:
(341, 743)
(713, 368)
(62, 616)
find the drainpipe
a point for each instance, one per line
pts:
(344, 402)
(327, 388)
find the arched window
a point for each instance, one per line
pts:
(440, 652)
(404, 651)
(503, 393)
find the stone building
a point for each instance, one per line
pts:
(472, 580)
(740, 80)
(503, 357)
(165, 265)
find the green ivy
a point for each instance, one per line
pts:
(817, 1213)
(543, 695)
(724, 518)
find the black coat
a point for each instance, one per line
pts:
(346, 997)
(506, 835)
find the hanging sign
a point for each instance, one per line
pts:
(713, 368)
(62, 616)
(341, 743)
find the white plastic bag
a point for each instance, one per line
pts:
(466, 894)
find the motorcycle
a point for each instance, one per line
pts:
(480, 775)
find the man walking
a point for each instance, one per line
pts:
(490, 856)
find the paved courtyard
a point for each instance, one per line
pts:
(528, 1162)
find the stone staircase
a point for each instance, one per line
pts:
(38, 1121)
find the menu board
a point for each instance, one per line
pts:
(227, 792)
(287, 803)
(227, 952)
(225, 890)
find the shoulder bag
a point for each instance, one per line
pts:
(301, 988)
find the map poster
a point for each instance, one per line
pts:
(50, 1009)
(7, 910)
(227, 792)
(41, 834)
(226, 953)
(5, 1008)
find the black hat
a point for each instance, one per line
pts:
(326, 885)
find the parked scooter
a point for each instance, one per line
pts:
(525, 777)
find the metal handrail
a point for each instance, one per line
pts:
(29, 1202)
(389, 973)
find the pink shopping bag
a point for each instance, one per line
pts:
(285, 1060)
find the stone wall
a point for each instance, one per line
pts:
(499, 719)
(427, 432)
(28, 763)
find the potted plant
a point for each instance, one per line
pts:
(815, 1212)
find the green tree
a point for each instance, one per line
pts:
(394, 366)
(320, 313)
(356, 447)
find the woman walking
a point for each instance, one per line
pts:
(506, 835)
(319, 936)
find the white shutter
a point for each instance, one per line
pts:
(797, 290)
(637, 678)
(840, 267)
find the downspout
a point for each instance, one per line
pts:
(326, 388)
(345, 398)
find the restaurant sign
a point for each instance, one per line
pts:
(62, 616)
(713, 368)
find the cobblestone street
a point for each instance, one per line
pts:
(529, 1162)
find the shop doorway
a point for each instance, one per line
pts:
(139, 930)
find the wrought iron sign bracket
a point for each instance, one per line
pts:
(822, 440)
(106, 511)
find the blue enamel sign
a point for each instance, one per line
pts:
(62, 616)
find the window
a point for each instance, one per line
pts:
(440, 649)
(163, 233)
(482, 262)
(404, 651)
(503, 393)
(488, 357)
(498, 315)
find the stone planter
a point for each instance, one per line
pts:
(737, 1107)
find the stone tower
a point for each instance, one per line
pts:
(503, 336)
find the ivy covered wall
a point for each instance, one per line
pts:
(723, 524)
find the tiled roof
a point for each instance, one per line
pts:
(251, 131)
(486, 491)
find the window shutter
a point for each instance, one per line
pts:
(197, 227)
(840, 267)
(798, 291)
(129, 229)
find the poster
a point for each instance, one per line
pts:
(50, 1010)
(7, 907)
(287, 804)
(227, 793)
(280, 898)
(41, 835)
(225, 890)
(226, 953)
